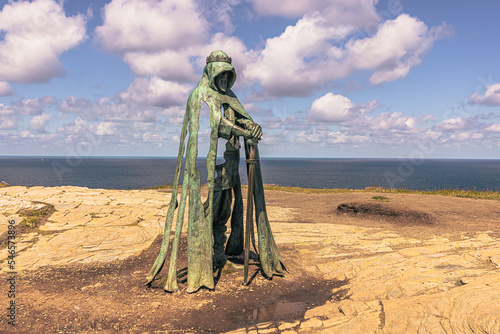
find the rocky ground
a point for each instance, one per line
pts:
(358, 263)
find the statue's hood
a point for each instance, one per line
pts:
(213, 69)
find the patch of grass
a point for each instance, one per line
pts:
(36, 217)
(471, 193)
(381, 198)
(30, 222)
(163, 186)
(33, 219)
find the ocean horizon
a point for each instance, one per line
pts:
(350, 173)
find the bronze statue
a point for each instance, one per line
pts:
(208, 220)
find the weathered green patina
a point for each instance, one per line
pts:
(206, 221)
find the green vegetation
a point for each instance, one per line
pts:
(469, 193)
(30, 222)
(163, 186)
(36, 217)
(33, 218)
(477, 194)
(381, 198)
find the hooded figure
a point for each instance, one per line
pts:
(207, 220)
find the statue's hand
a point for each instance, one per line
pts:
(255, 131)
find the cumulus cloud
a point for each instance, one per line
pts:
(73, 104)
(341, 12)
(39, 122)
(77, 127)
(493, 128)
(336, 109)
(170, 65)
(5, 89)
(151, 25)
(490, 98)
(397, 46)
(156, 40)
(28, 106)
(8, 119)
(323, 136)
(8, 123)
(391, 122)
(180, 64)
(314, 52)
(344, 122)
(452, 124)
(156, 92)
(293, 64)
(36, 34)
(104, 128)
(168, 39)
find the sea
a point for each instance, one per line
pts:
(140, 173)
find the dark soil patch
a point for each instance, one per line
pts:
(386, 212)
(111, 298)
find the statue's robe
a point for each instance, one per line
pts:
(200, 216)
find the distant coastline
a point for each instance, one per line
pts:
(316, 173)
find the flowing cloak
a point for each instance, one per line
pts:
(200, 216)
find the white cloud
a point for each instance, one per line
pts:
(104, 128)
(464, 136)
(314, 52)
(293, 64)
(28, 106)
(452, 124)
(156, 92)
(26, 134)
(6, 110)
(391, 122)
(5, 89)
(493, 128)
(286, 8)
(48, 100)
(77, 127)
(39, 122)
(397, 46)
(150, 25)
(340, 12)
(36, 34)
(490, 98)
(343, 138)
(177, 65)
(156, 39)
(169, 65)
(478, 136)
(168, 39)
(336, 109)
(175, 115)
(72, 104)
(8, 123)
(323, 136)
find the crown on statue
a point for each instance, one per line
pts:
(219, 57)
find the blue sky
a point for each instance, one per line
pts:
(325, 78)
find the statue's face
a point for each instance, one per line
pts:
(222, 81)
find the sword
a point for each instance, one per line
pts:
(249, 223)
(227, 128)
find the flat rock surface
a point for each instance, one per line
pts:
(413, 263)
